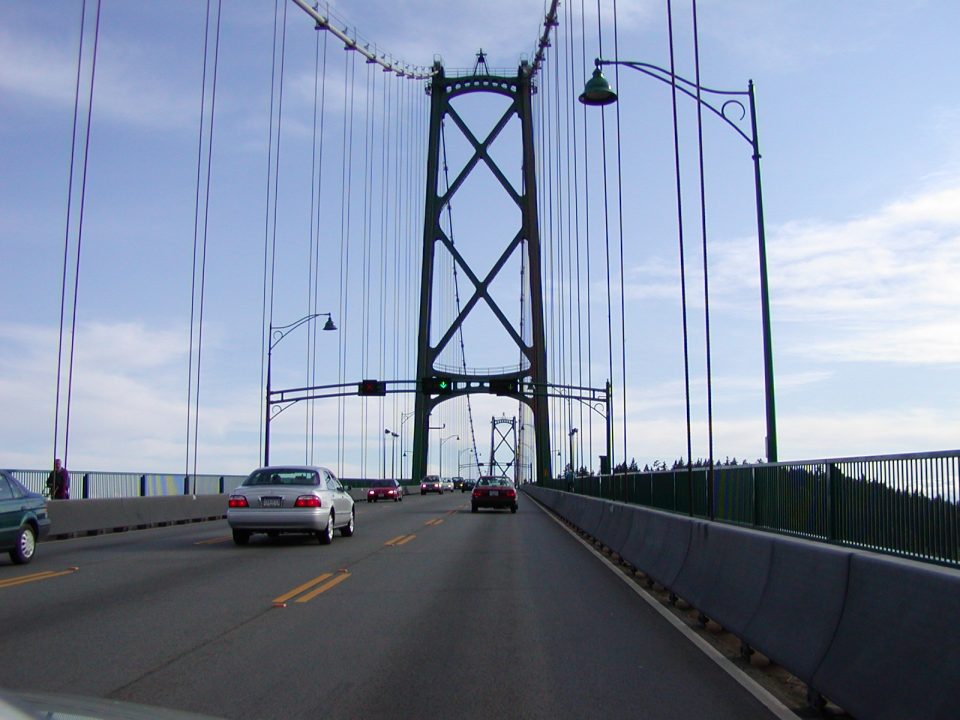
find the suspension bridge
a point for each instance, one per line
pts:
(437, 256)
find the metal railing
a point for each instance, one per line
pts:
(905, 505)
(100, 485)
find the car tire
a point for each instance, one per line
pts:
(241, 537)
(473, 508)
(513, 508)
(325, 536)
(347, 530)
(423, 492)
(25, 545)
(369, 500)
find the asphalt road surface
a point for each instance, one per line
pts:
(428, 611)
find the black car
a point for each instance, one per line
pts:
(23, 519)
(467, 484)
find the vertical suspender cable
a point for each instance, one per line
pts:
(349, 94)
(83, 196)
(206, 222)
(267, 306)
(623, 289)
(316, 169)
(706, 276)
(66, 233)
(683, 276)
(586, 217)
(606, 236)
(365, 279)
(575, 194)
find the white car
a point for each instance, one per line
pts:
(290, 499)
(447, 484)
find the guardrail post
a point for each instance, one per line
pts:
(186, 484)
(85, 486)
(143, 486)
(831, 502)
(222, 481)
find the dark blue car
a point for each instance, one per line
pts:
(23, 519)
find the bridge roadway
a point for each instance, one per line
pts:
(428, 611)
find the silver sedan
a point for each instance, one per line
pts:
(291, 499)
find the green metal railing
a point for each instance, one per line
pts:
(906, 505)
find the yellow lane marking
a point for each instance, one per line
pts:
(33, 577)
(300, 588)
(343, 575)
(434, 522)
(407, 539)
(212, 541)
(395, 540)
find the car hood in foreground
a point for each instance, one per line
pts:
(33, 705)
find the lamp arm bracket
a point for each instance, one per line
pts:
(689, 88)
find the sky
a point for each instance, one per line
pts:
(858, 118)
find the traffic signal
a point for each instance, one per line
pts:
(503, 386)
(371, 387)
(437, 385)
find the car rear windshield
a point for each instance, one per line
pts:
(494, 481)
(383, 483)
(272, 476)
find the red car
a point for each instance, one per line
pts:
(385, 490)
(494, 491)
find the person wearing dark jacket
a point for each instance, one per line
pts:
(58, 483)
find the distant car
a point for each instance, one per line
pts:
(493, 491)
(385, 490)
(431, 483)
(467, 484)
(447, 484)
(457, 483)
(291, 499)
(23, 519)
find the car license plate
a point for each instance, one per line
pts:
(271, 502)
(494, 493)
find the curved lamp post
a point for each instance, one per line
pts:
(597, 91)
(393, 452)
(449, 437)
(278, 333)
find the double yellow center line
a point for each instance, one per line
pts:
(400, 540)
(33, 577)
(324, 583)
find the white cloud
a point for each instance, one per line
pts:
(878, 288)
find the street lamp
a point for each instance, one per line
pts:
(597, 91)
(393, 452)
(403, 421)
(278, 333)
(573, 467)
(449, 437)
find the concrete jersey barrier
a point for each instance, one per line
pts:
(82, 517)
(878, 635)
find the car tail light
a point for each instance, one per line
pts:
(477, 492)
(307, 501)
(237, 501)
(511, 493)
